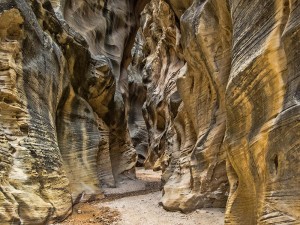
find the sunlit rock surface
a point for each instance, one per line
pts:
(263, 111)
(239, 114)
(63, 94)
(211, 97)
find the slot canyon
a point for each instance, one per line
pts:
(203, 93)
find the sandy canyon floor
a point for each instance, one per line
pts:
(136, 202)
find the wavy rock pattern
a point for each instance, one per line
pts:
(36, 186)
(262, 135)
(239, 88)
(212, 99)
(161, 68)
(186, 122)
(63, 93)
(137, 96)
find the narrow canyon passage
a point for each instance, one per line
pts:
(150, 112)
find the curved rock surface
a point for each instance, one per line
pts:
(237, 107)
(137, 96)
(211, 97)
(185, 106)
(263, 110)
(63, 88)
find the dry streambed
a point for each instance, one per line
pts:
(136, 202)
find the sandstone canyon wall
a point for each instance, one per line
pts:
(63, 88)
(234, 111)
(211, 97)
(185, 105)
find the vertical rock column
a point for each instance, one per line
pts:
(262, 103)
(162, 66)
(137, 96)
(188, 55)
(199, 177)
(34, 188)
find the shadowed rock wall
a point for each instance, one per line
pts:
(185, 105)
(63, 100)
(137, 96)
(161, 68)
(216, 81)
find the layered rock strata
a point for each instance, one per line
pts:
(161, 68)
(137, 96)
(263, 111)
(185, 105)
(216, 82)
(239, 89)
(63, 88)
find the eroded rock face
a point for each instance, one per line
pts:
(206, 42)
(185, 105)
(63, 94)
(137, 96)
(160, 72)
(262, 102)
(34, 185)
(216, 82)
(239, 88)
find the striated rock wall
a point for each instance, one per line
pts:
(63, 100)
(206, 42)
(212, 99)
(137, 96)
(161, 68)
(185, 105)
(237, 86)
(34, 186)
(262, 102)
